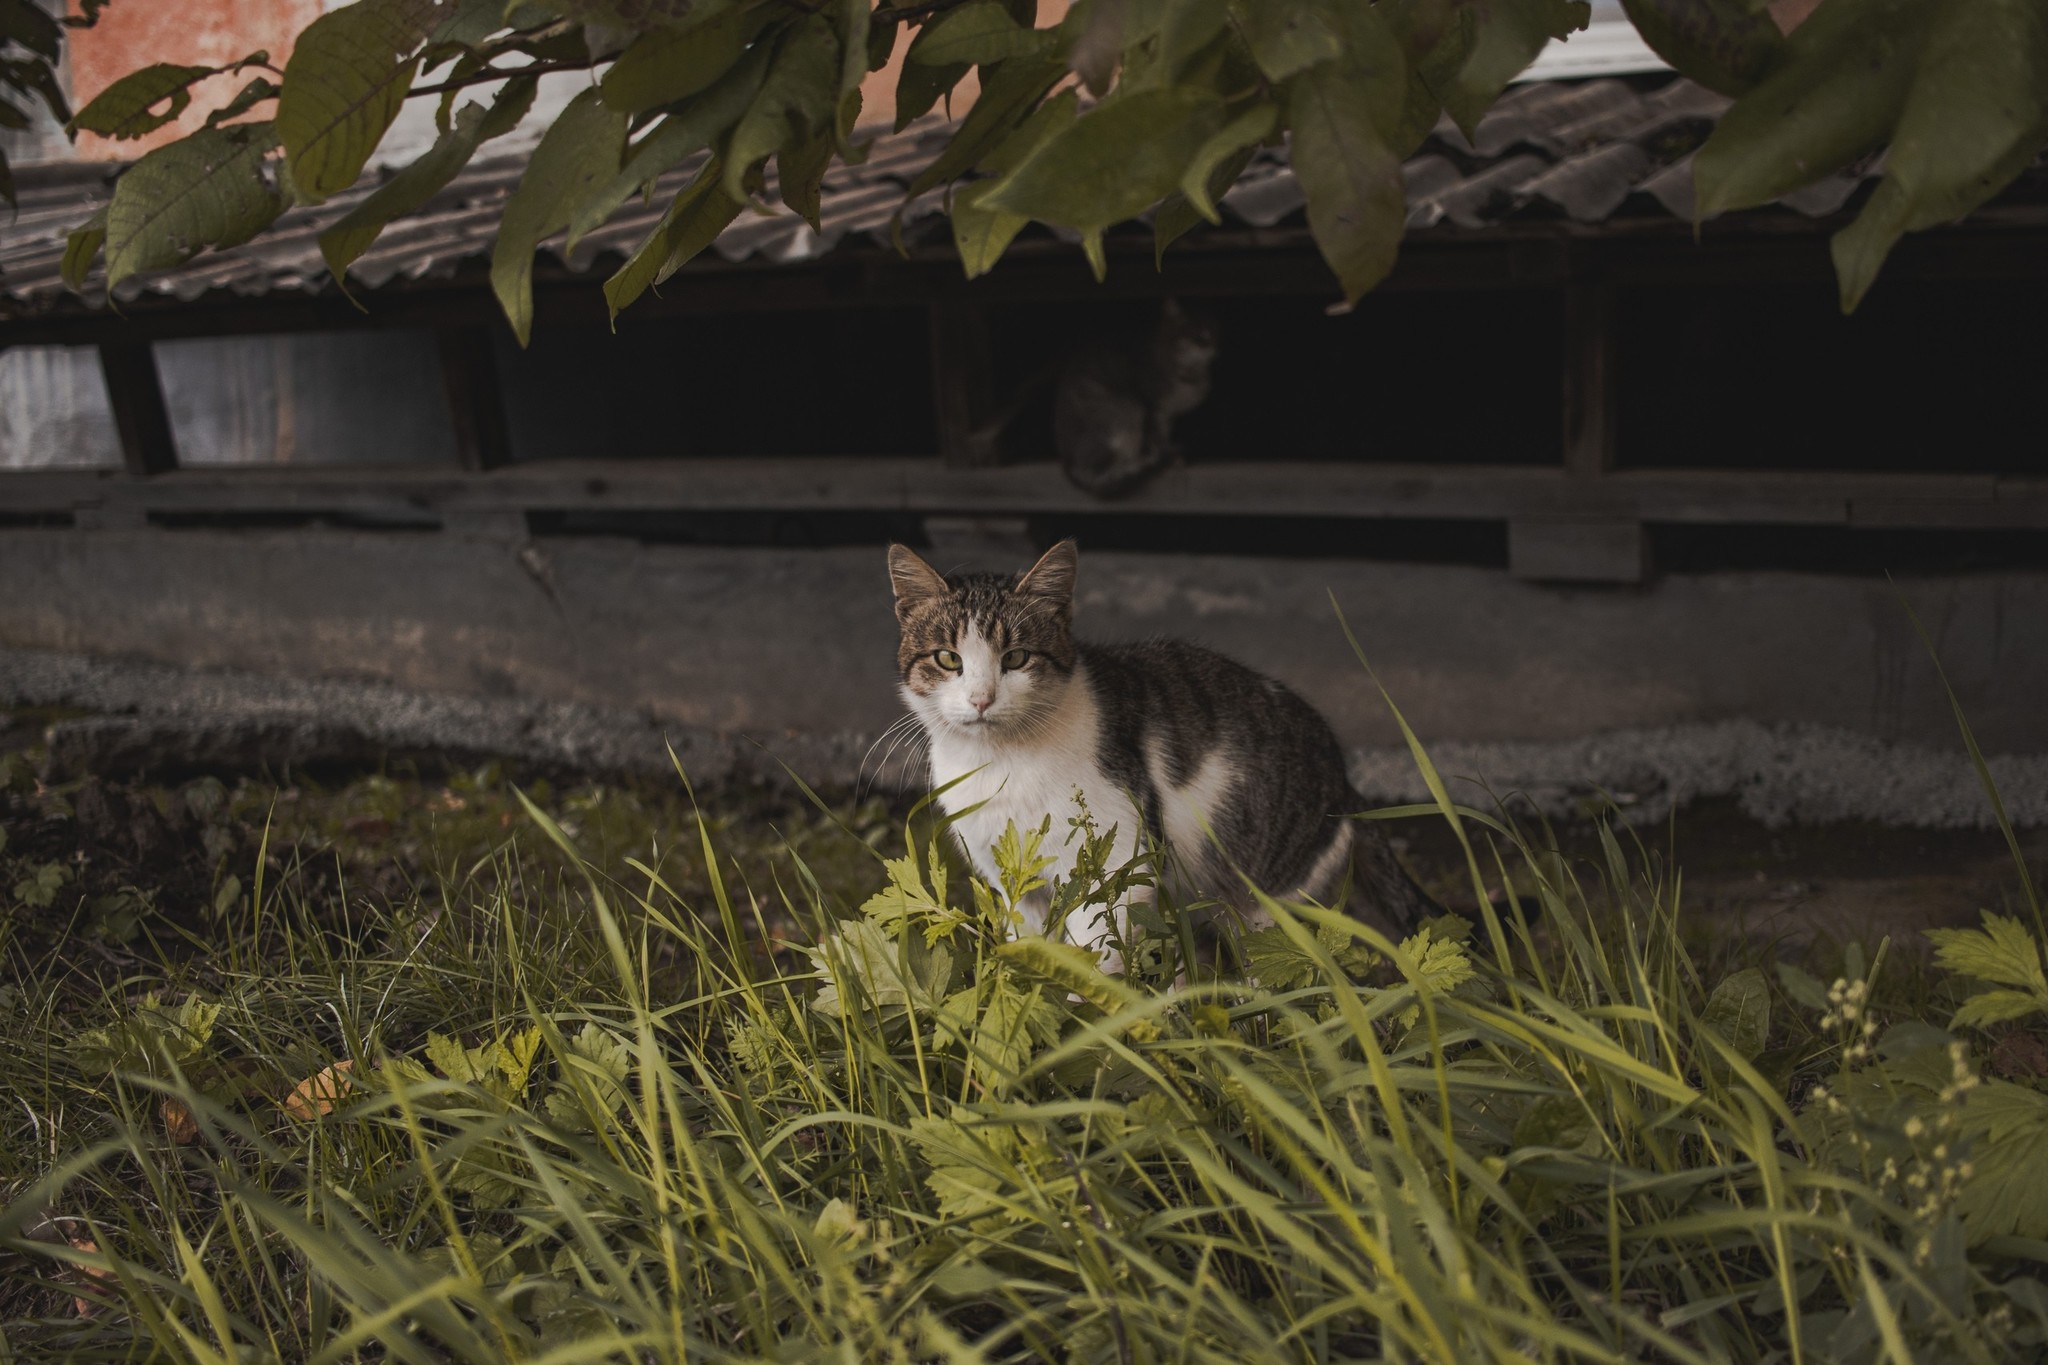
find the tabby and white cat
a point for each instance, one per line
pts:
(1179, 748)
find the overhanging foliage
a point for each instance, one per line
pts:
(1118, 108)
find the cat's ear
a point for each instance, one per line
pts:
(1052, 577)
(914, 580)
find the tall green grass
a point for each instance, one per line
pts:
(591, 1118)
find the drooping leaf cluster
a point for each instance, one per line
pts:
(1110, 110)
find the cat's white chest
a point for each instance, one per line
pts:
(990, 784)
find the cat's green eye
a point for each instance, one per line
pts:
(947, 660)
(1017, 658)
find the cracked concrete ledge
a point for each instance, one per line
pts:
(142, 716)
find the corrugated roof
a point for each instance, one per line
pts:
(1583, 152)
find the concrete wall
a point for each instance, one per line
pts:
(799, 642)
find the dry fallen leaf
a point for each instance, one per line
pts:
(178, 1120)
(319, 1092)
(87, 1307)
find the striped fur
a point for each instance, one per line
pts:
(1221, 770)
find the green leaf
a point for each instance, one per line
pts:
(1740, 1011)
(1114, 162)
(412, 187)
(1997, 1007)
(140, 102)
(864, 968)
(154, 1037)
(684, 131)
(671, 64)
(1831, 100)
(82, 247)
(1287, 39)
(698, 214)
(981, 234)
(795, 98)
(208, 189)
(596, 1063)
(1469, 50)
(26, 23)
(1178, 213)
(1357, 207)
(1072, 968)
(579, 153)
(1009, 101)
(2002, 951)
(1976, 116)
(1802, 987)
(248, 97)
(1725, 45)
(2005, 1194)
(345, 83)
(976, 34)
(1236, 137)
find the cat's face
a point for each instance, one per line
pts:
(982, 653)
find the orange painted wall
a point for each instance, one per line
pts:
(135, 33)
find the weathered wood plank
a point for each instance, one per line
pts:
(469, 373)
(926, 485)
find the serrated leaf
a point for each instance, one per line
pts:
(864, 968)
(600, 1063)
(700, 211)
(140, 102)
(1740, 1011)
(1357, 206)
(2002, 951)
(409, 189)
(1725, 45)
(1997, 1007)
(978, 33)
(205, 190)
(1074, 969)
(2005, 1194)
(670, 64)
(1114, 162)
(579, 152)
(82, 248)
(795, 97)
(344, 85)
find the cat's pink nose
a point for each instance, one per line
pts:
(981, 704)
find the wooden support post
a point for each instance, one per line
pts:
(1571, 549)
(1577, 550)
(960, 383)
(137, 397)
(1588, 377)
(476, 405)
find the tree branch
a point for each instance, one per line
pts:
(498, 73)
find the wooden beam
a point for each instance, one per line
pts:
(1248, 487)
(476, 406)
(136, 394)
(960, 383)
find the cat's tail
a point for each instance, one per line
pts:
(1380, 885)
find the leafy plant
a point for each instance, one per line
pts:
(2002, 953)
(1118, 109)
